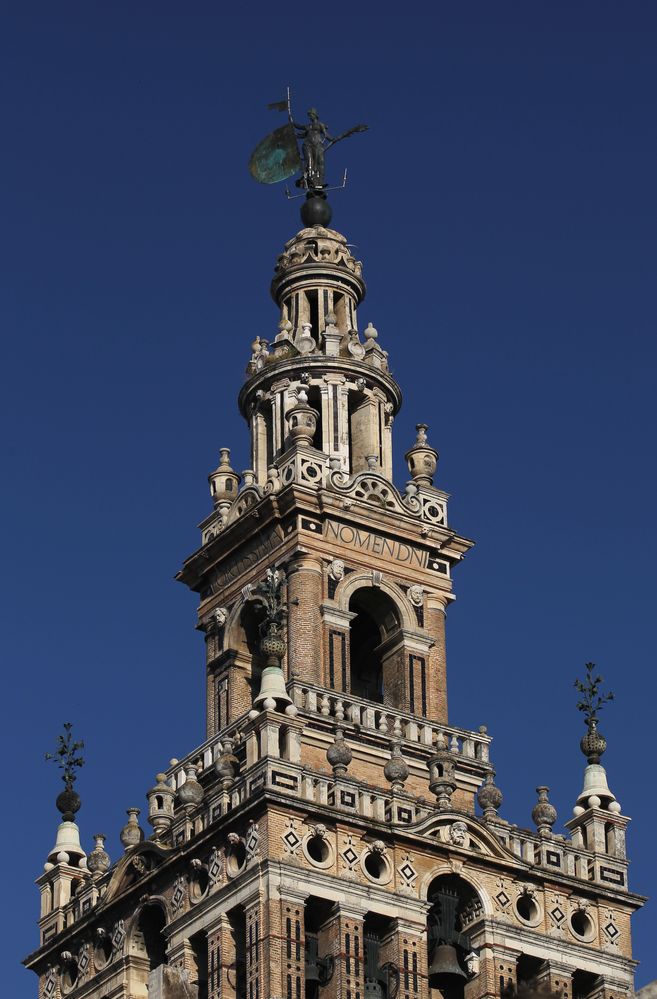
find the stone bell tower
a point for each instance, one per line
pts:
(335, 836)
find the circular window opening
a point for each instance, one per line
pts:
(102, 952)
(375, 866)
(527, 908)
(580, 923)
(236, 859)
(318, 849)
(199, 884)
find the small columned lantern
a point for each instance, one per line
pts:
(160, 807)
(302, 420)
(224, 482)
(422, 460)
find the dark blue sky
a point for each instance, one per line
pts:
(504, 206)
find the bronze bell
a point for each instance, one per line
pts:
(313, 976)
(445, 969)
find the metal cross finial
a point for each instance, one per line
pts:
(66, 755)
(592, 700)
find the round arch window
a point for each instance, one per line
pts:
(581, 925)
(376, 866)
(318, 851)
(528, 909)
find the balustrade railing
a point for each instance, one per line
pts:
(389, 721)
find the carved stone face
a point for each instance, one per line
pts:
(336, 569)
(458, 833)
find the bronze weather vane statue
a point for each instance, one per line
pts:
(278, 157)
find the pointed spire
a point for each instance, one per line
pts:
(224, 482)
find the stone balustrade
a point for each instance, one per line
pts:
(389, 721)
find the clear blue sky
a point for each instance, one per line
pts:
(504, 206)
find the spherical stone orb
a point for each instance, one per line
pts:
(48, 866)
(292, 710)
(253, 713)
(614, 806)
(269, 704)
(578, 810)
(316, 211)
(63, 857)
(594, 801)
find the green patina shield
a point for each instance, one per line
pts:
(276, 157)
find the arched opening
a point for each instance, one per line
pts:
(319, 963)
(375, 648)
(150, 925)
(585, 983)
(235, 959)
(199, 975)
(455, 906)
(315, 402)
(381, 974)
(529, 972)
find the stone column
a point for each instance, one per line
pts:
(225, 954)
(342, 937)
(304, 596)
(556, 978)
(288, 967)
(436, 605)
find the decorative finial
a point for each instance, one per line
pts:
(338, 754)
(544, 814)
(490, 798)
(593, 744)
(278, 157)
(68, 759)
(422, 459)
(396, 769)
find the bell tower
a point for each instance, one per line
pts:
(368, 567)
(335, 836)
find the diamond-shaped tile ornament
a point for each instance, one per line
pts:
(118, 937)
(50, 984)
(84, 960)
(557, 915)
(349, 854)
(215, 866)
(252, 841)
(178, 894)
(407, 872)
(503, 899)
(611, 930)
(290, 837)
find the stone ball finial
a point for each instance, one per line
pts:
(489, 797)
(396, 769)
(132, 833)
(302, 420)
(190, 793)
(370, 333)
(422, 460)
(338, 754)
(98, 861)
(544, 814)
(593, 744)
